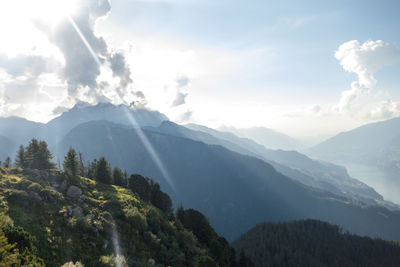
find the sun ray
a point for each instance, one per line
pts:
(143, 138)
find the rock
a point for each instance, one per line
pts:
(77, 212)
(152, 261)
(36, 173)
(69, 211)
(35, 195)
(74, 192)
(15, 171)
(60, 187)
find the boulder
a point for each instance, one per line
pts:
(77, 212)
(74, 192)
(35, 195)
(60, 187)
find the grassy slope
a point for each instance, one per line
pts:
(144, 231)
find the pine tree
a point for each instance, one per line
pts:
(91, 169)
(71, 164)
(126, 179)
(118, 177)
(81, 165)
(102, 171)
(20, 158)
(140, 186)
(38, 156)
(7, 162)
(44, 157)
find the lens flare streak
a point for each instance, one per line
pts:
(85, 42)
(149, 147)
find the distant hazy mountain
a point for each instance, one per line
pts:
(234, 191)
(292, 164)
(82, 112)
(7, 147)
(310, 172)
(373, 144)
(21, 130)
(266, 137)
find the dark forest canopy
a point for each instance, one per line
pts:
(314, 243)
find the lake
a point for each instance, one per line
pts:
(388, 185)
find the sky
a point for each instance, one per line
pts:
(304, 68)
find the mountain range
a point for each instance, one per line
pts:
(266, 137)
(373, 144)
(235, 182)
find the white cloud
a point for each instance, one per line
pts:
(364, 60)
(51, 67)
(185, 116)
(385, 110)
(182, 83)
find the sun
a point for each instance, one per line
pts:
(50, 12)
(19, 20)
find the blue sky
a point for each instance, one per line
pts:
(234, 63)
(286, 48)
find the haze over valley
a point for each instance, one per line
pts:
(199, 133)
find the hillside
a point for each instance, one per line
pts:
(83, 220)
(20, 130)
(364, 144)
(234, 191)
(314, 173)
(292, 164)
(314, 243)
(8, 147)
(266, 137)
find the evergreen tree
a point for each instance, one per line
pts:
(244, 261)
(118, 177)
(126, 179)
(102, 171)
(81, 165)
(20, 158)
(140, 186)
(7, 162)
(91, 168)
(31, 152)
(160, 199)
(44, 157)
(71, 164)
(38, 156)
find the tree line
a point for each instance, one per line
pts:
(36, 155)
